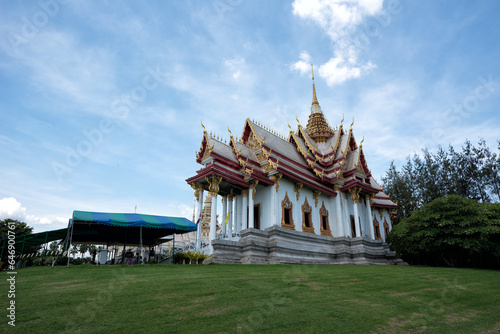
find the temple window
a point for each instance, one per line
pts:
(287, 213)
(307, 225)
(325, 226)
(386, 228)
(376, 228)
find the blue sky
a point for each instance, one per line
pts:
(101, 102)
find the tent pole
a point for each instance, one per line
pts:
(71, 237)
(45, 243)
(22, 249)
(140, 247)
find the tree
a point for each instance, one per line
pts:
(450, 231)
(83, 248)
(473, 173)
(20, 229)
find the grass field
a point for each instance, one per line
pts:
(253, 299)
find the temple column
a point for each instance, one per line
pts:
(244, 206)
(355, 199)
(198, 194)
(276, 178)
(338, 211)
(213, 182)
(251, 195)
(224, 214)
(198, 217)
(236, 211)
(230, 200)
(369, 200)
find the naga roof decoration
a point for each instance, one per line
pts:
(318, 156)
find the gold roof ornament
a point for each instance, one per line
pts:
(315, 104)
(317, 127)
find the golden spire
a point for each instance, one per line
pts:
(317, 126)
(315, 98)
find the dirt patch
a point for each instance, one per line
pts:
(397, 325)
(60, 283)
(454, 318)
(216, 311)
(315, 285)
(204, 299)
(494, 329)
(395, 294)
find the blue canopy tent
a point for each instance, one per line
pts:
(131, 229)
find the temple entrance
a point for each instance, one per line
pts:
(353, 227)
(256, 216)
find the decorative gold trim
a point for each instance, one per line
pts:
(369, 197)
(230, 197)
(276, 178)
(386, 229)
(336, 187)
(297, 188)
(253, 185)
(244, 193)
(249, 171)
(376, 228)
(323, 212)
(196, 187)
(287, 204)
(316, 197)
(355, 194)
(306, 209)
(214, 182)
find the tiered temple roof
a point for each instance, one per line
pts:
(318, 156)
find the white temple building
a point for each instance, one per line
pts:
(305, 198)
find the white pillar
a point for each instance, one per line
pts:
(338, 212)
(356, 218)
(236, 217)
(273, 220)
(230, 198)
(213, 218)
(224, 214)
(371, 232)
(250, 207)
(244, 206)
(200, 209)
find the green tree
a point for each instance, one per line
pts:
(82, 249)
(450, 231)
(21, 228)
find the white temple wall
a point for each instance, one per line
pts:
(263, 197)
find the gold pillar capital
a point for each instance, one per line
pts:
(214, 182)
(276, 178)
(355, 194)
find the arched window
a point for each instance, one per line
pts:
(386, 228)
(325, 225)
(286, 213)
(307, 225)
(376, 228)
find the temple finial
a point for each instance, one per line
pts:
(315, 104)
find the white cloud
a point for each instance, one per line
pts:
(11, 208)
(340, 19)
(303, 65)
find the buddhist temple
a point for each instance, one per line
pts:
(308, 197)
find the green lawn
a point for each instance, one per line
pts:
(253, 299)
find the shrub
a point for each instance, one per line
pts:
(450, 231)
